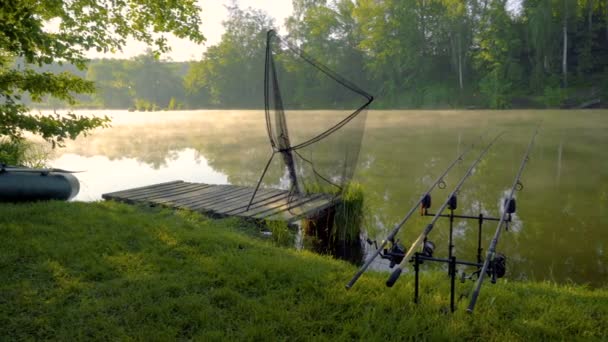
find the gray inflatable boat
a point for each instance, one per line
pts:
(20, 184)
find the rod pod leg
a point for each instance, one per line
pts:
(452, 269)
(416, 275)
(479, 249)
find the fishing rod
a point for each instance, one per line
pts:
(424, 200)
(509, 208)
(395, 275)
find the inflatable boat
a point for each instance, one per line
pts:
(20, 184)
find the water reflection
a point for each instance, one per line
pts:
(562, 211)
(104, 175)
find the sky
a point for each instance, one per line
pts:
(212, 14)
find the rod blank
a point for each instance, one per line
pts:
(492, 250)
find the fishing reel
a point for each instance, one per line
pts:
(496, 269)
(428, 249)
(395, 253)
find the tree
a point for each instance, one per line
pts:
(82, 25)
(543, 35)
(459, 32)
(568, 14)
(328, 32)
(497, 58)
(231, 72)
(112, 82)
(153, 81)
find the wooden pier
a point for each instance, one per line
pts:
(227, 200)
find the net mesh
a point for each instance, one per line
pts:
(315, 121)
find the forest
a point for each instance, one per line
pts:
(407, 53)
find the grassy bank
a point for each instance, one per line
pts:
(111, 271)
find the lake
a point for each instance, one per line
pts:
(560, 230)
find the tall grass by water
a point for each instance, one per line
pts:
(349, 215)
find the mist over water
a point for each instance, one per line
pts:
(560, 228)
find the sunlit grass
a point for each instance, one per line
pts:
(76, 271)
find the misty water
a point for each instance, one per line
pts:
(560, 230)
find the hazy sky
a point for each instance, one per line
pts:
(213, 13)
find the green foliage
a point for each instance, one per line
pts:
(23, 152)
(439, 95)
(172, 104)
(280, 233)
(82, 25)
(76, 271)
(553, 97)
(496, 90)
(15, 119)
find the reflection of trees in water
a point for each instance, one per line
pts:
(401, 150)
(227, 144)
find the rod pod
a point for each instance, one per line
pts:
(425, 201)
(395, 275)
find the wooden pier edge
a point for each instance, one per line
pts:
(224, 200)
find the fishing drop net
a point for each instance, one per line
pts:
(315, 119)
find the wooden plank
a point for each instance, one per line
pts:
(270, 202)
(239, 197)
(153, 191)
(197, 206)
(207, 197)
(120, 192)
(241, 201)
(180, 194)
(177, 192)
(289, 206)
(182, 188)
(221, 200)
(191, 196)
(226, 191)
(301, 211)
(258, 201)
(263, 199)
(284, 201)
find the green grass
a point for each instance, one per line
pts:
(107, 271)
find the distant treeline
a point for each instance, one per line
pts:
(408, 53)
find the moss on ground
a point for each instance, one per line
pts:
(108, 271)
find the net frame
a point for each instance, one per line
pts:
(281, 143)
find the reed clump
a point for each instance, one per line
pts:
(349, 215)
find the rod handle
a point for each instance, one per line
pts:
(356, 277)
(473, 301)
(393, 278)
